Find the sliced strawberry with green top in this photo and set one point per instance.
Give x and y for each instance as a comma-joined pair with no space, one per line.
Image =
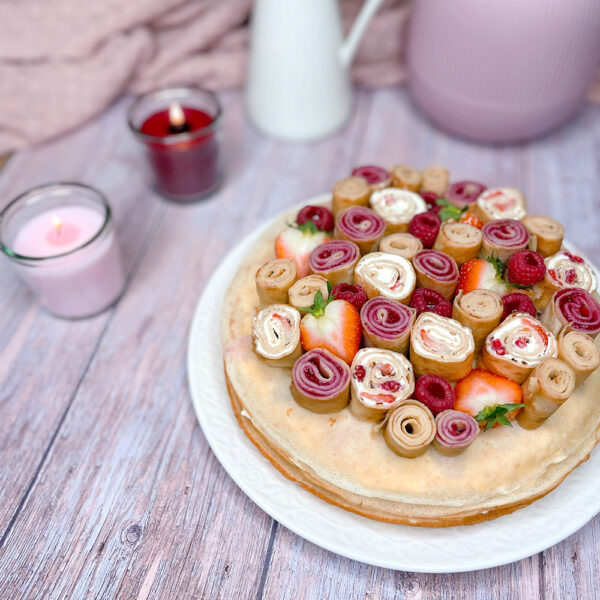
297,242
480,274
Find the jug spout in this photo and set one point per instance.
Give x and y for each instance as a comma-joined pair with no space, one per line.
350,46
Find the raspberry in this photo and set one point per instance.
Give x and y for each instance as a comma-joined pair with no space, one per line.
425,226
521,342
497,347
319,215
425,299
360,372
351,293
570,276
390,386
430,199
518,303
573,257
525,267
435,393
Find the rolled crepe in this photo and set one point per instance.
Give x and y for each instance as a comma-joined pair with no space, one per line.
387,324
435,179
352,191
274,279
500,203
572,309
302,293
464,193
455,431
335,260
578,351
406,178
480,311
387,275
459,240
402,244
321,381
549,385
518,345
410,429
565,270
503,238
437,271
441,346
381,380
360,225
376,177
276,335
548,232
397,207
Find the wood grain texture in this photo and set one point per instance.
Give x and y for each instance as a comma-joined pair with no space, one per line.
107,486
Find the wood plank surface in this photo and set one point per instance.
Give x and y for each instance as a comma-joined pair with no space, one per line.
107,486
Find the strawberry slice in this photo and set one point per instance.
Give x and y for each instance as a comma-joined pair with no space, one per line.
471,219
333,325
492,399
480,274
297,242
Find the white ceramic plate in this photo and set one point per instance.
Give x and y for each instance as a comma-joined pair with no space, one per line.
503,540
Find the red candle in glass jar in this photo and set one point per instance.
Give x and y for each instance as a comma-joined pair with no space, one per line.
180,129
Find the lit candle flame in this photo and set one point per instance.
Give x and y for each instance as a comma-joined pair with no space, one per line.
57,223
176,116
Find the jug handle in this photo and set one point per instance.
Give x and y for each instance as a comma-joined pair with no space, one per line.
350,45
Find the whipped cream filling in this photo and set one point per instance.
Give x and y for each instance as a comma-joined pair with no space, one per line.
382,378
396,205
276,330
441,338
569,270
502,203
391,274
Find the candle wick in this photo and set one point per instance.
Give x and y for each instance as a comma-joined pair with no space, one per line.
177,121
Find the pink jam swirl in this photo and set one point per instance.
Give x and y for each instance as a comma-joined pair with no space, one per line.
506,233
437,265
320,374
578,308
463,193
332,255
360,223
385,318
455,429
372,174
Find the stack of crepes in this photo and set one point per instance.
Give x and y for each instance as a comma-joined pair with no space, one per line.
416,351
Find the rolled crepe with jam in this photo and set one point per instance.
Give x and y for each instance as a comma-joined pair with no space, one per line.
376,177
565,270
302,293
548,233
335,260
381,380
435,179
518,345
500,203
459,240
274,279
441,346
352,191
480,311
406,178
549,385
436,271
572,309
276,335
321,381
579,351
360,225
387,275
464,193
410,429
402,244
387,324
455,432
501,239
397,207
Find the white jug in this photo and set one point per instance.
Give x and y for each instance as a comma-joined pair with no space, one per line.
298,85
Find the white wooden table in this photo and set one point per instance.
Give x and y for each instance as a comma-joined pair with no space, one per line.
107,486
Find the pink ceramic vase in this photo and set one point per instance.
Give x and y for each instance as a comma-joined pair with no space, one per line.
502,71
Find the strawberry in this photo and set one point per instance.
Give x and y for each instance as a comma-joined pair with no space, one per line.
297,242
480,274
333,325
471,219
492,399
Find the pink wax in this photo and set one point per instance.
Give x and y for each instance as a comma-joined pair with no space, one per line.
74,279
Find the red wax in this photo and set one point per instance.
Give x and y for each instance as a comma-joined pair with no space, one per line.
188,168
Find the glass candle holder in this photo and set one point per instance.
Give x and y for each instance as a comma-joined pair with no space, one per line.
180,129
61,241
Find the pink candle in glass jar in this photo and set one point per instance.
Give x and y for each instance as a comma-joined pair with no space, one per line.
61,240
